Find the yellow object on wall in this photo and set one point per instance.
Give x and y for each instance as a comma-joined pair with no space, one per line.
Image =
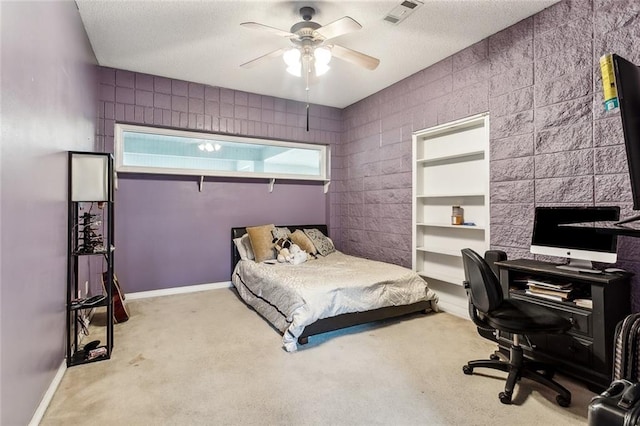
608,82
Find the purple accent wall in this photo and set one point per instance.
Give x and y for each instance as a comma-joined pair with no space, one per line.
551,143
167,233
48,86
170,235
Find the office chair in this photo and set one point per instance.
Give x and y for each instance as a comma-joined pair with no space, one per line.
489,310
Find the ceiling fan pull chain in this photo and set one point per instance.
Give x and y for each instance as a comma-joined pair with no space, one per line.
307,89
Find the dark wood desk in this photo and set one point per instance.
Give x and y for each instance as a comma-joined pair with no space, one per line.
586,351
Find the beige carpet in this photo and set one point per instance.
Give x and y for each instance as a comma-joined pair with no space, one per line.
207,359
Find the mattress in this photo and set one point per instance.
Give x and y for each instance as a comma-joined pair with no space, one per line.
293,296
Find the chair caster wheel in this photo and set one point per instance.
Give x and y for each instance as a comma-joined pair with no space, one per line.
562,401
504,398
467,370
494,357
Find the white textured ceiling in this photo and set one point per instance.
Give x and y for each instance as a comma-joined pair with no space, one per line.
202,41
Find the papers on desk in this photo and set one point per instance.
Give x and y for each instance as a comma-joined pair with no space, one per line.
554,291
560,292
548,285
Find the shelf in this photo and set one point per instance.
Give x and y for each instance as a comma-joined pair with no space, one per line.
90,233
76,253
448,225
453,279
438,250
521,294
463,156
104,302
450,165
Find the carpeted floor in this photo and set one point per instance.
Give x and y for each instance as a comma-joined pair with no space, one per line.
207,359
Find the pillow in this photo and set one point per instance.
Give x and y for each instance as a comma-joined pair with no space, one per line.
301,239
243,244
320,241
281,233
261,242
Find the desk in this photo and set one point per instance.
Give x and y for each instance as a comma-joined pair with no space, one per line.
586,351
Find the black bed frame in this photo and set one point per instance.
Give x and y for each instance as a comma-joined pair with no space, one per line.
343,320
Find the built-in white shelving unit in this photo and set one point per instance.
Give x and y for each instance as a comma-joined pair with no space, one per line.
450,168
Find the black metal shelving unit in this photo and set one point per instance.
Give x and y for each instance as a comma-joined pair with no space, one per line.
90,236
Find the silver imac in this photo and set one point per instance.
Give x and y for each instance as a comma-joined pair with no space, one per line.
579,245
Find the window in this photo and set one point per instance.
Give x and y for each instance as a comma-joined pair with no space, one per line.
141,149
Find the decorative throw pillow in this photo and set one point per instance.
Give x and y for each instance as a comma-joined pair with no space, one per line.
246,242
261,242
301,239
281,232
320,241
243,244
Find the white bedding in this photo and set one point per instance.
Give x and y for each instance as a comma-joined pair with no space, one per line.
294,296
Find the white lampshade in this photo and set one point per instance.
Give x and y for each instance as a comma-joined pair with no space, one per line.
292,59
89,177
322,55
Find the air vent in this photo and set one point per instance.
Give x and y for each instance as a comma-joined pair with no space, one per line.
400,12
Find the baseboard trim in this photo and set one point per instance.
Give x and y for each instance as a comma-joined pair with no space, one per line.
177,290
48,395
453,309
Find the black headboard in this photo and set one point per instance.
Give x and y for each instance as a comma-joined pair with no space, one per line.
239,232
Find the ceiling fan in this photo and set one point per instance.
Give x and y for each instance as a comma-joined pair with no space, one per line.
312,48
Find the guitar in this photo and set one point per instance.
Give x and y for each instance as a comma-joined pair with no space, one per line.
120,313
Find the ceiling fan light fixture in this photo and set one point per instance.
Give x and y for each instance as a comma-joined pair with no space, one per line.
292,59
322,55
321,59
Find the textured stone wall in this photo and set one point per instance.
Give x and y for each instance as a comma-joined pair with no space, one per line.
551,143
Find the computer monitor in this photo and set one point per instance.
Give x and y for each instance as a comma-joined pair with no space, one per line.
581,245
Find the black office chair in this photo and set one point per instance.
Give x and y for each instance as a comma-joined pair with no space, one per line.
489,310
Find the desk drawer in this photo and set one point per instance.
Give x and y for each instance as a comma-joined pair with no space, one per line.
581,322
570,348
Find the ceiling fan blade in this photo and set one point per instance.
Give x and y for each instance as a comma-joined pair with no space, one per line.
263,58
272,30
354,57
337,28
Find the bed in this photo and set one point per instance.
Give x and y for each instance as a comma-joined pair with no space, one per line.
330,292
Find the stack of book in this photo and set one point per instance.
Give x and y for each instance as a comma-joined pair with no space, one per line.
560,292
